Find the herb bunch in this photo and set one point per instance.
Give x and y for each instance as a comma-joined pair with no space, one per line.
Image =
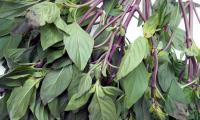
70,59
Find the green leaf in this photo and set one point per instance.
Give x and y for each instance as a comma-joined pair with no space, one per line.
77,102
53,55
12,9
165,76
141,110
19,99
14,54
8,42
150,26
176,109
198,57
16,76
42,13
50,35
177,93
73,87
102,106
3,108
134,85
60,24
54,83
85,84
40,112
113,92
193,50
79,45
175,18
7,26
108,5
136,52
54,108
178,39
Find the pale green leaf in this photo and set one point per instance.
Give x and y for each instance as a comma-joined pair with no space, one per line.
79,45
150,26
60,24
50,35
55,82
19,99
136,52
134,85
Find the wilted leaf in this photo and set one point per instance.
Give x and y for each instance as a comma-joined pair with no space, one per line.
42,13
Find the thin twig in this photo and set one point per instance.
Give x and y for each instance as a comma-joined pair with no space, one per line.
104,42
79,6
195,11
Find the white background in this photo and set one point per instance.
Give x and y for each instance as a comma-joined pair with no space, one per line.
133,31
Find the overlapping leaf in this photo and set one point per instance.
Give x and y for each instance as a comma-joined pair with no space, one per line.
79,45
136,52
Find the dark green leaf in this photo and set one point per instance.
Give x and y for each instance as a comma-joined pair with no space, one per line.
7,26
19,99
40,112
177,93
77,102
50,35
53,55
79,45
165,76
108,5
141,110
54,83
175,18
3,108
135,84
178,39
54,108
85,84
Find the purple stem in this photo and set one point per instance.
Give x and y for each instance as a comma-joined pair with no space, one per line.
187,26
106,26
89,11
103,43
89,27
155,72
